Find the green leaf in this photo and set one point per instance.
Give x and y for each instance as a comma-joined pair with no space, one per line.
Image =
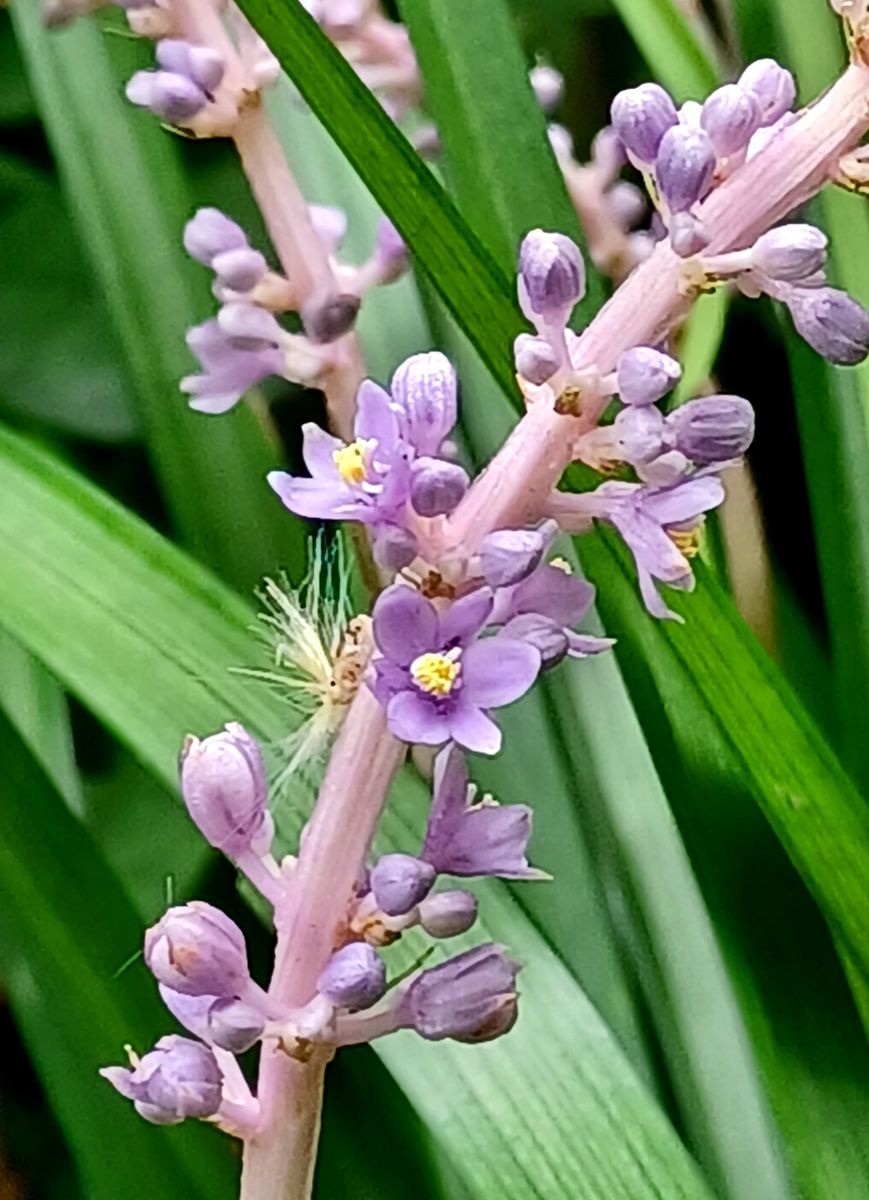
132,220
670,34
700,343
66,926
145,638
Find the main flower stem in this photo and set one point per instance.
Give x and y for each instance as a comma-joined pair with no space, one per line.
279,1159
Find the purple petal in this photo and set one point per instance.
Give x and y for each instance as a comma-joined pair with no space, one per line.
405,625
317,499
318,449
498,671
473,729
685,501
653,600
414,719
449,799
553,593
465,618
650,546
493,841
374,416
581,645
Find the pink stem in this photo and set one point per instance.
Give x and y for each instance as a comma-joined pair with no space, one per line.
278,1160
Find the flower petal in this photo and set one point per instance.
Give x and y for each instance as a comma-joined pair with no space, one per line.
405,625
685,501
416,720
465,618
473,729
498,670
449,799
316,498
553,593
375,418
318,450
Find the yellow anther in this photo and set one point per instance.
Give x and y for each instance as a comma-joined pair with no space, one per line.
561,564
351,460
436,673
686,541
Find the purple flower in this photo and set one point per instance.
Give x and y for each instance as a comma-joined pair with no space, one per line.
203,65
424,398
179,1078
551,276
471,997
474,839
229,369
535,359
832,322
435,680
222,1021
367,480
223,780
790,252
354,977
209,233
641,116
172,97
196,949
712,429
542,609
652,521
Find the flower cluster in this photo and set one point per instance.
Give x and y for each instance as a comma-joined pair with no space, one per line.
198,956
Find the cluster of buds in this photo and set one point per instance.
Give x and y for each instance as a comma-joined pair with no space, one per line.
245,343
198,955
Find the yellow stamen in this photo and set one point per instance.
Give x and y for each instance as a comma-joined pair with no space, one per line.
561,564
436,673
351,460
686,541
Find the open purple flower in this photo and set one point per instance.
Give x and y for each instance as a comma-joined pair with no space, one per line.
466,839
229,369
435,680
542,609
367,480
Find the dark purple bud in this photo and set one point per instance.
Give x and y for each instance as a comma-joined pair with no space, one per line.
354,977
326,320
210,233
833,323
684,167
641,116
644,375
535,359
241,270
219,1020
712,429
199,63
471,997
399,882
436,486
179,1078
248,327
196,949
223,780
730,116
394,548
447,914
772,86
640,431
508,555
686,234
173,98
424,390
552,273
790,252
547,637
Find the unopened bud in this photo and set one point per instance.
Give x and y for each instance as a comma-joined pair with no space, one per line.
626,204
179,1078
196,949
173,98
447,914
509,555
330,225
210,233
221,1021
684,167
327,320
548,85
686,234
423,389
248,327
644,375
391,252
790,252
730,116
640,432
471,997
832,322
641,116
551,272
535,359
436,486
772,86
399,881
394,548
202,64
354,977
223,780
240,270
712,429
608,151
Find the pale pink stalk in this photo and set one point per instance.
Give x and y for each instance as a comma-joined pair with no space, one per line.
278,1160
655,298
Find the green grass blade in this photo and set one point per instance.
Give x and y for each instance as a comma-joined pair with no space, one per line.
127,187
667,36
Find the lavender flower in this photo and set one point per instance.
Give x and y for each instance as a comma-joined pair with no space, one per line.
354,977
535,358
223,779
832,322
203,65
471,998
435,680
196,949
712,429
551,276
790,253
222,1021
510,555
542,609
209,233
178,1079
424,399
641,116
229,369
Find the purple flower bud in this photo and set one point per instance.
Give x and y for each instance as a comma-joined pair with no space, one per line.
548,85
391,252
551,272
608,151
471,997
223,780
394,548
196,949
399,882
241,270
641,116
626,204
202,64
772,86
712,429
222,1021
686,235
547,637
354,977
833,323
790,252
424,390
330,225
210,233
436,486
326,320
535,359
248,327
173,98
179,1078
644,375
509,555
730,116
640,431
447,914
684,167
